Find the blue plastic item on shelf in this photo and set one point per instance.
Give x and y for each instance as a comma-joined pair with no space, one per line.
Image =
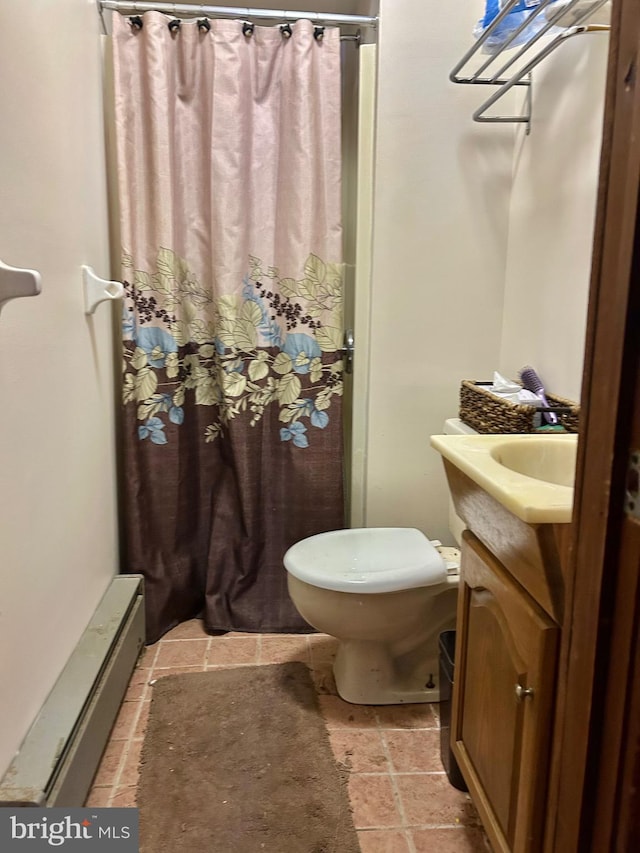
516,16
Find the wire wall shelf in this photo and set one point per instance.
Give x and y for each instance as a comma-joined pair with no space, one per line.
557,20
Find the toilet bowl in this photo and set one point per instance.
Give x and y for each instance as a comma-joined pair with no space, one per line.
386,595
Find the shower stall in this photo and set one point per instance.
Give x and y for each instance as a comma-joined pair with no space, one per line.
235,441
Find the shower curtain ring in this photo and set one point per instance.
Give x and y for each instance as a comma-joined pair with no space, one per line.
247,29
135,21
318,33
174,25
203,25
285,29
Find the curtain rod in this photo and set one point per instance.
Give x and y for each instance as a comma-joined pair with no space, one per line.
236,12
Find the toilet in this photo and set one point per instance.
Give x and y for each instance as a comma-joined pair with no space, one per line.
386,594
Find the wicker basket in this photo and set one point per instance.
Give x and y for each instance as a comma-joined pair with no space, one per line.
489,414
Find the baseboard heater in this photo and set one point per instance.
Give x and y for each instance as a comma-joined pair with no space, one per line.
61,752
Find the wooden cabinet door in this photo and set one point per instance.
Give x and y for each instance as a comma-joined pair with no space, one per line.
503,697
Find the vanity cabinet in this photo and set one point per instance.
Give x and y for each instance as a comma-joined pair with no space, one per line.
505,671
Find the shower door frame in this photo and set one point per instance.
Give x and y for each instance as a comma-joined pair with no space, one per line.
358,206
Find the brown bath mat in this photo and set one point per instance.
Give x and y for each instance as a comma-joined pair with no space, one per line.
239,761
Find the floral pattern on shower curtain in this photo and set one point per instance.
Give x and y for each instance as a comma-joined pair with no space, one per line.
229,180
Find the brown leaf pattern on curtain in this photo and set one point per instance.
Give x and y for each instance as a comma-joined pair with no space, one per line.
277,343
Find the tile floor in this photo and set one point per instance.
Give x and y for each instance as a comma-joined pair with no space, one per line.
402,801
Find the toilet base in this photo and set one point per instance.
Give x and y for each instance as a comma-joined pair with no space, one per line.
366,673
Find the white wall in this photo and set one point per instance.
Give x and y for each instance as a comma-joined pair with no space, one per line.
482,243
440,235
58,544
552,216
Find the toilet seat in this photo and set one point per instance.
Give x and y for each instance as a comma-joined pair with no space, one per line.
367,560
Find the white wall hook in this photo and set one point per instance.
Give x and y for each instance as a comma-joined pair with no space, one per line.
15,282
97,290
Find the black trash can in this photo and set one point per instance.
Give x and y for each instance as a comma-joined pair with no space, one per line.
447,645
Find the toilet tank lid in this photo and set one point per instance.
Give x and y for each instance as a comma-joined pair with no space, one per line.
367,560
454,426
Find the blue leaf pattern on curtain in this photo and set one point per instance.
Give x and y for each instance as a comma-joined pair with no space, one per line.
233,353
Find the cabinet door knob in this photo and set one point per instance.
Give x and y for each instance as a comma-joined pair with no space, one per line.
523,692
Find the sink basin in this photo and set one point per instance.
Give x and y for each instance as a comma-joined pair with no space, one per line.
550,461
531,475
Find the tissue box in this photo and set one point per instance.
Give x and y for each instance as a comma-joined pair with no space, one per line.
489,414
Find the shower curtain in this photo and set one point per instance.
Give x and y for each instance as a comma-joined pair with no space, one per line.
229,169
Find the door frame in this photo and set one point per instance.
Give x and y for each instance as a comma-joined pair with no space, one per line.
596,747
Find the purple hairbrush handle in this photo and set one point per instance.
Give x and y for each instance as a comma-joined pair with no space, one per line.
533,383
